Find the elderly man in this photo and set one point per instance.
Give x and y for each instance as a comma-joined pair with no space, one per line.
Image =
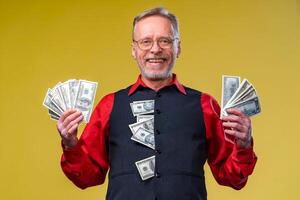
187,129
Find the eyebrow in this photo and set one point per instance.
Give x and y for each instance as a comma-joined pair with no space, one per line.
163,37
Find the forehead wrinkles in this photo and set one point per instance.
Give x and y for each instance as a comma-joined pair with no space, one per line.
147,27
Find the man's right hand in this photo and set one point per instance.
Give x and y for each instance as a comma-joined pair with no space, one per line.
67,126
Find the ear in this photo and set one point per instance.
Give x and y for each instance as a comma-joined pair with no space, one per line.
133,50
178,49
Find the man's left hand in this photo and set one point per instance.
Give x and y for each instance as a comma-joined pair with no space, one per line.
239,125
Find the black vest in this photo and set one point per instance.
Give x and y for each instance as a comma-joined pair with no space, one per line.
180,143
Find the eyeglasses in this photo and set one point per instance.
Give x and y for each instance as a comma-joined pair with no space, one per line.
147,43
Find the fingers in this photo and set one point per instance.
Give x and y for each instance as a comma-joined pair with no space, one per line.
69,128
66,114
73,128
239,130
234,111
233,118
71,117
237,116
77,120
243,136
67,120
63,117
238,125
235,126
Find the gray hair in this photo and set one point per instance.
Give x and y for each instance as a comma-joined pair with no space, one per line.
161,12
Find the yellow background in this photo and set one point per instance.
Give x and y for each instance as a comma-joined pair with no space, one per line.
44,42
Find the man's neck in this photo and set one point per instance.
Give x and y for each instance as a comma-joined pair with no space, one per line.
157,84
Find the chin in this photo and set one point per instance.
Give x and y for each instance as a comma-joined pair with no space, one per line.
156,75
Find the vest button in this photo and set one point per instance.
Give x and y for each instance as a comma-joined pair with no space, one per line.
157,132
158,95
158,111
158,175
158,151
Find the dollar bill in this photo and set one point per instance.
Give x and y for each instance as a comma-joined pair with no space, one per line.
146,167
73,89
247,95
54,117
85,98
229,85
51,113
142,107
63,96
141,118
144,137
64,91
57,90
56,98
249,107
147,125
241,89
244,98
50,104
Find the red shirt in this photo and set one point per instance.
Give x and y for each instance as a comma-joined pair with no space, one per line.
87,163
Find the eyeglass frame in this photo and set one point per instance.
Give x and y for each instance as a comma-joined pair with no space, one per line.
157,42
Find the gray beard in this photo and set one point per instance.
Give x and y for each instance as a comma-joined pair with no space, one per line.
155,77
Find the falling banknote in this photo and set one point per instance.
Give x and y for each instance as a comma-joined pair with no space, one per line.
146,167
142,107
71,94
144,137
143,133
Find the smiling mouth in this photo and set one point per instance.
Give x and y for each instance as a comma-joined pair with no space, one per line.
156,60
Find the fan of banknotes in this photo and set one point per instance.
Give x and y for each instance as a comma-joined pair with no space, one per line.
77,94
241,96
143,133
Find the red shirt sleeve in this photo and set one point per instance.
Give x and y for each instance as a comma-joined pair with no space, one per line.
229,164
87,163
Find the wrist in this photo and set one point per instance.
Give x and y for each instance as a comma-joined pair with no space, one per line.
244,143
69,144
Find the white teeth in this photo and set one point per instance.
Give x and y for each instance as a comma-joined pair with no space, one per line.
155,60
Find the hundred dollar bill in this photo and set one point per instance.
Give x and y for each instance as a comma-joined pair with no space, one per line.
64,91
73,89
57,91
144,137
247,95
242,88
147,124
51,105
56,98
229,85
142,107
249,107
51,113
141,118
85,98
146,167
54,117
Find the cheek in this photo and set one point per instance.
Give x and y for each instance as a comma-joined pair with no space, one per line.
141,57
171,56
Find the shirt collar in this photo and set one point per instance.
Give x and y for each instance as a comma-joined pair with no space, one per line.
141,83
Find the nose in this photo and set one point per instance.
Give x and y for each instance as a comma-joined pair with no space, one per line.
155,48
